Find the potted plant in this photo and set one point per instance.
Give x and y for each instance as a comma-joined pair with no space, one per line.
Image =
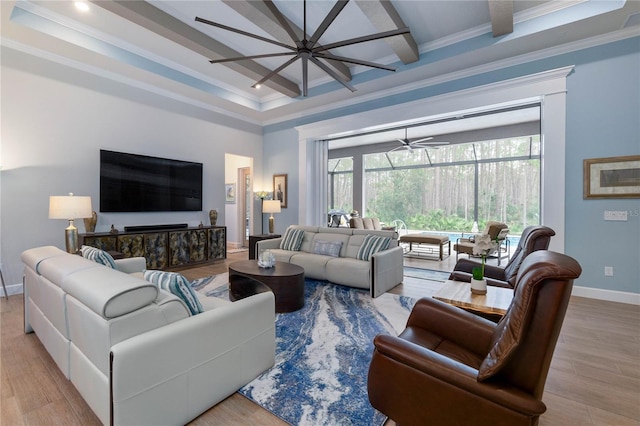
483,246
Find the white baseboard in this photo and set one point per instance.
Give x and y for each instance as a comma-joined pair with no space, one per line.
609,295
12,289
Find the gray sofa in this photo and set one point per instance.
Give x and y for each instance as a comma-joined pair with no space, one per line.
134,352
379,274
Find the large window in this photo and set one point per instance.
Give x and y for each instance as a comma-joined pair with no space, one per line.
450,187
340,184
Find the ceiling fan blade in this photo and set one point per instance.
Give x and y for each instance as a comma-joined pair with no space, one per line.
332,73
362,39
354,61
399,148
241,58
429,144
276,71
283,21
328,20
422,140
403,141
244,33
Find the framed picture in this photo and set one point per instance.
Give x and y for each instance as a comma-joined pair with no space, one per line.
230,193
613,177
280,189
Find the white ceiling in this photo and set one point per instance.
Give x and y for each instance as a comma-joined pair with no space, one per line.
158,46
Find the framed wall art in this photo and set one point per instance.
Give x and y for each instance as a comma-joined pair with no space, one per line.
230,193
280,189
613,177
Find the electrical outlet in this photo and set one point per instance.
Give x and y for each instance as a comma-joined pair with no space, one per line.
608,271
620,215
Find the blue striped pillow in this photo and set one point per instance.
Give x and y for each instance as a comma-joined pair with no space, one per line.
175,284
98,256
292,239
371,245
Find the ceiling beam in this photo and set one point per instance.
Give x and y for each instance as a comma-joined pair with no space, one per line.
501,12
260,14
155,20
385,17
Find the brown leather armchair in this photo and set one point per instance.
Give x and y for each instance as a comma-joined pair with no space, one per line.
451,367
533,238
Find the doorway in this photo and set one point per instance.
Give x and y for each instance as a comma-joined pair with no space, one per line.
239,210
244,208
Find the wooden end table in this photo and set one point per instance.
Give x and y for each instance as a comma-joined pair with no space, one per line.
458,293
284,279
253,241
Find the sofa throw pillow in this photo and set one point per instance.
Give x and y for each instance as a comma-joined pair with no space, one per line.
327,248
98,256
371,245
177,285
292,239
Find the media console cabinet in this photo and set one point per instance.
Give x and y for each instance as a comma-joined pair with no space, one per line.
165,248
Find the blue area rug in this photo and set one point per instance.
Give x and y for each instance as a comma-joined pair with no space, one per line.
426,274
323,353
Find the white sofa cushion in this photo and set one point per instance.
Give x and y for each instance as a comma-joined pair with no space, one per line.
107,292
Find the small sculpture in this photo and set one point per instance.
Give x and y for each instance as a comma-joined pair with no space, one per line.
90,223
213,216
113,230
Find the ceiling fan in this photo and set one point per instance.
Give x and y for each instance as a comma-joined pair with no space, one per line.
417,144
307,48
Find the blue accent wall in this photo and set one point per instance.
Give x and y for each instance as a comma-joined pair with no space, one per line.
603,120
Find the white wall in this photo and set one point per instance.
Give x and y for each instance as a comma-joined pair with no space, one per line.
52,132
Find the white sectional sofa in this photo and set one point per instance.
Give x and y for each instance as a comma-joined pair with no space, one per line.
134,352
383,271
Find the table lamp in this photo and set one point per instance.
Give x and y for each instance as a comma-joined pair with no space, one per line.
70,207
261,195
271,206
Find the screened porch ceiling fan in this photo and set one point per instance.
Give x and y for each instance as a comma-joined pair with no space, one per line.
307,48
417,144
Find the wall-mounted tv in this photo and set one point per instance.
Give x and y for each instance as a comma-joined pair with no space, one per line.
139,183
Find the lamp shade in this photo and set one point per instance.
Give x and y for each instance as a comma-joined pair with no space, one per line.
69,207
271,206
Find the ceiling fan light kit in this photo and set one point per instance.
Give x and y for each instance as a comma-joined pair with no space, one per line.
307,48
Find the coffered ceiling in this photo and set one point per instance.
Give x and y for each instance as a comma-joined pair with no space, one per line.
160,47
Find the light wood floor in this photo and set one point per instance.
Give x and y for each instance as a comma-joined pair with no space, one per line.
594,377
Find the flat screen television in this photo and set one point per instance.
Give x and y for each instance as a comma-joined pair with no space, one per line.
139,183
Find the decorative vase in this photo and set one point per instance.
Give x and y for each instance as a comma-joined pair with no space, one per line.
478,286
213,216
266,259
90,223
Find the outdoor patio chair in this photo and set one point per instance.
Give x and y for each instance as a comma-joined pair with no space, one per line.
465,244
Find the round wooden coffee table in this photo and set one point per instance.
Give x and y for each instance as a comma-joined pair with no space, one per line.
284,279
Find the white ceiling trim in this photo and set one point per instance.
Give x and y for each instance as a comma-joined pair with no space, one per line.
100,72
512,92
493,66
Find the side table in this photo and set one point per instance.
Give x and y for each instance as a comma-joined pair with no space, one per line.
253,240
458,293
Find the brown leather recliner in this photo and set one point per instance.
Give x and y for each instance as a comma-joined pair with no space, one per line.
533,238
451,367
